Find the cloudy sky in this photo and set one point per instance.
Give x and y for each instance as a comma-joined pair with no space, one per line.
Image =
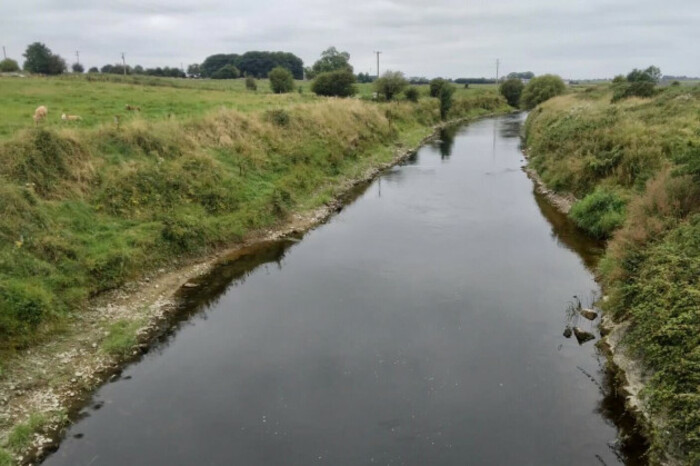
573,38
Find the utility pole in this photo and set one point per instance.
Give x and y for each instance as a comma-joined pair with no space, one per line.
124,63
77,57
377,52
4,55
498,62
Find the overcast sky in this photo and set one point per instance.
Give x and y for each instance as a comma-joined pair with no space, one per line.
576,39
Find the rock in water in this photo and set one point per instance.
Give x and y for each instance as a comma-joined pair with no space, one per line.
582,336
567,332
588,314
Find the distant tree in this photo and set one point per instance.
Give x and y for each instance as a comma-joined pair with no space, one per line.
364,78
138,69
116,69
651,74
418,80
540,89
411,94
250,83
339,83
77,68
446,92
521,75
281,80
619,79
257,64
8,65
331,60
435,86
39,59
193,71
511,89
226,72
390,84
93,69
214,63
638,83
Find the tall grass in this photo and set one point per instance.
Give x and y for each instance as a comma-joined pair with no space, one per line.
636,166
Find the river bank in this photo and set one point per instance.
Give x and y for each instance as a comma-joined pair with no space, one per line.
44,387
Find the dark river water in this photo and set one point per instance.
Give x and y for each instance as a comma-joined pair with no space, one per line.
421,325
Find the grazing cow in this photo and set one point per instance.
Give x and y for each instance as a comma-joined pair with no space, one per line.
40,113
65,117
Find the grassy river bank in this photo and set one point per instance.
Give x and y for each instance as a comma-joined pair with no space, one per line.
634,167
87,210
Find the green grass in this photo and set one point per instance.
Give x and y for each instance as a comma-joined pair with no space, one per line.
20,437
636,166
87,209
5,458
121,338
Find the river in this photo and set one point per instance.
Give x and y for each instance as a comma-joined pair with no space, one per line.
421,325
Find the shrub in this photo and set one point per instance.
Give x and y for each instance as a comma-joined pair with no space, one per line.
600,213
411,94
226,72
540,89
446,93
435,86
281,80
77,68
250,83
339,83
278,116
93,69
390,84
511,89
8,65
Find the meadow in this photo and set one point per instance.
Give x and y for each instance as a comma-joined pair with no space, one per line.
635,166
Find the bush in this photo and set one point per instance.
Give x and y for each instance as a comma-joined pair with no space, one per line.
8,65
77,68
339,83
93,69
226,72
281,80
446,92
411,94
512,89
600,213
278,116
435,86
250,83
390,84
540,89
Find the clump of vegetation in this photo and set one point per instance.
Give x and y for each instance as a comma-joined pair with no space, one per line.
5,458
281,80
20,437
638,83
647,153
331,60
599,213
122,338
512,89
226,72
390,84
436,86
446,93
411,93
250,83
540,89
278,116
77,68
340,83
8,65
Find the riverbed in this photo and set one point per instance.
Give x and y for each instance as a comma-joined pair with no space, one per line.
423,324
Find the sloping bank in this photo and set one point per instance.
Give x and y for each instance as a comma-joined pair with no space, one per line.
140,209
634,167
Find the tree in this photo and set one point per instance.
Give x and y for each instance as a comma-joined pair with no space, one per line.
281,80
521,75
511,89
331,60
77,68
39,59
339,83
8,65
435,86
93,69
411,94
138,69
390,84
651,75
193,71
639,83
226,72
257,64
214,63
446,92
364,78
540,89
